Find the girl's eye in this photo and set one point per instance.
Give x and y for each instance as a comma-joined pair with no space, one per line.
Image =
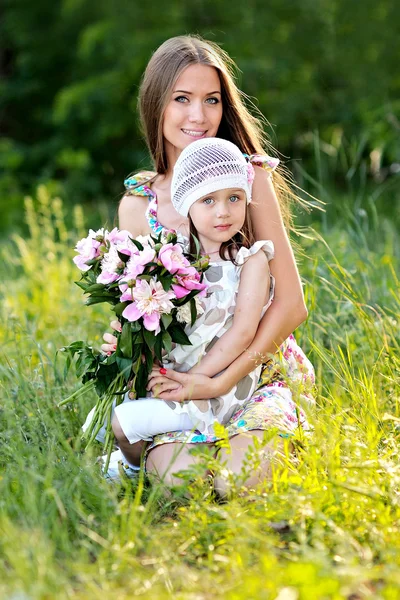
234,199
181,99
212,101
208,201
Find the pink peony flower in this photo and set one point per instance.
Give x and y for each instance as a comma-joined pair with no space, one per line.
187,282
111,267
137,262
150,301
118,235
171,257
89,248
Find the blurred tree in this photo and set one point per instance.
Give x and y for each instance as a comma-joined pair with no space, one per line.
70,71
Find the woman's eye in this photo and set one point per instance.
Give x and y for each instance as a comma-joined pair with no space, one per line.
212,100
181,99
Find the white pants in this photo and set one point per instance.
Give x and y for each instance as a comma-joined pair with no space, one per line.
144,418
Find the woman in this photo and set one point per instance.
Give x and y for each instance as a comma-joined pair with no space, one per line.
187,93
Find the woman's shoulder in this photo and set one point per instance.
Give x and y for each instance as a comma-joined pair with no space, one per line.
139,184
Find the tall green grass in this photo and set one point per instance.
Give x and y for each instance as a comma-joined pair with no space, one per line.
326,526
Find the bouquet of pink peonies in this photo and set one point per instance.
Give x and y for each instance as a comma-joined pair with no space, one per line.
151,283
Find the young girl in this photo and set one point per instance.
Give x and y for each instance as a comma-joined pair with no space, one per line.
212,184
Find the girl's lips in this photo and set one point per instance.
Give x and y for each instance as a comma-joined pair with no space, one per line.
222,227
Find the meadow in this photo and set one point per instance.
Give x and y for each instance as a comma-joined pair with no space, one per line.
327,524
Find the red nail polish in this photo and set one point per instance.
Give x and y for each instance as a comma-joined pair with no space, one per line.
163,371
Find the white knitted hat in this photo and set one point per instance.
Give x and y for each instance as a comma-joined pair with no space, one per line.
206,166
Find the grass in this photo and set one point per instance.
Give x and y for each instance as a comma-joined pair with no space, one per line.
325,527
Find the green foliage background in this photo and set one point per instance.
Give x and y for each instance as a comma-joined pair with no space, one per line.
325,526
71,69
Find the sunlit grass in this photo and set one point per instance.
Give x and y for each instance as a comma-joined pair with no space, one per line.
325,526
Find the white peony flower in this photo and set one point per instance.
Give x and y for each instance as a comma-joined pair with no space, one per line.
183,313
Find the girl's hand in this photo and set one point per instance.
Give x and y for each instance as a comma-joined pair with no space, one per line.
178,387
111,341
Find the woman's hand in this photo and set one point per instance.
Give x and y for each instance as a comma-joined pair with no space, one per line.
167,384
111,341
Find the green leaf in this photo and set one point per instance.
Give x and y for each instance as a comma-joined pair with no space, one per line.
138,338
98,299
166,281
197,244
149,360
193,311
137,244
137,351
149,338
123,257
95,287
166,320
120,307
125,366
135,326
125,340
167,341
179,336
158,347
141,380
146,277
93,261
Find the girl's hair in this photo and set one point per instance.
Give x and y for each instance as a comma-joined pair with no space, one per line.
238,125
245,237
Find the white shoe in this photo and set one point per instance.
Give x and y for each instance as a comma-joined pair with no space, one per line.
118,467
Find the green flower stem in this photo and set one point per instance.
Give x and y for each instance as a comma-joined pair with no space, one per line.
102,416
89,385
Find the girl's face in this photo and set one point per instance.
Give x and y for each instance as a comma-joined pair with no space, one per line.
194,110
218,217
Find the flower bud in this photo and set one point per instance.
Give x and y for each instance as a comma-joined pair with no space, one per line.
202,263
171,237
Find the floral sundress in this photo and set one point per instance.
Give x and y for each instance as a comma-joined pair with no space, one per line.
285,387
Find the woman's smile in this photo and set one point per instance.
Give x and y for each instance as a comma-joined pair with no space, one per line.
195,133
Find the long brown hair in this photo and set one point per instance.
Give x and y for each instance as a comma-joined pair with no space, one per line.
238,125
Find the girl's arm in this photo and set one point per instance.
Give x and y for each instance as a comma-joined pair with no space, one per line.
285,314
252,296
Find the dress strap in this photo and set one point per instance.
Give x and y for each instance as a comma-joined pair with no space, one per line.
136,185
268,163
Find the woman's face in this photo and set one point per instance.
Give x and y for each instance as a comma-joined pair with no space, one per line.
194,110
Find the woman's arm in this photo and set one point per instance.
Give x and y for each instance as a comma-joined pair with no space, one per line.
288,310
251,297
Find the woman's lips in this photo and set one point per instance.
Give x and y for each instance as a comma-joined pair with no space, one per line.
197,134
